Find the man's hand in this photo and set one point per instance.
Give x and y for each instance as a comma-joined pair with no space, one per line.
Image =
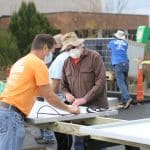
70,97
47,92
74,109
79,101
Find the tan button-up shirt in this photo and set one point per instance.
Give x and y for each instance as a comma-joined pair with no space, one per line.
86,79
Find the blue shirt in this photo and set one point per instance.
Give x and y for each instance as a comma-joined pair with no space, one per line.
118,51
55,70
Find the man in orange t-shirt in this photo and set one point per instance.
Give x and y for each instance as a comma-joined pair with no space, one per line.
28,78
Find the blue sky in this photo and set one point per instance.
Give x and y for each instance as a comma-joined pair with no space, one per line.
135,6
139,5
132,4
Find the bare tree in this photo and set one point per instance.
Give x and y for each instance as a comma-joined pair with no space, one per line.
92,26
115,6
89,5
92,6
95,6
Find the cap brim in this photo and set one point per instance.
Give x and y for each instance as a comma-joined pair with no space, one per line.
76,43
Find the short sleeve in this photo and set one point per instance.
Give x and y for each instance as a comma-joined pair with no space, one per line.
55,70
41,74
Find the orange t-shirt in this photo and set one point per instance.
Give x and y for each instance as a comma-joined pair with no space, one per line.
26,75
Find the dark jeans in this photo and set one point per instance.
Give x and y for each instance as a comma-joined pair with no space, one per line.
80,143
64,141
131,148
84,143
121,72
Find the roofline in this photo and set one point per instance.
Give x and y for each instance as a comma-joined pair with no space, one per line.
123,14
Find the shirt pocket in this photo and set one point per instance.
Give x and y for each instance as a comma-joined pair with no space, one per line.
87,74
3,124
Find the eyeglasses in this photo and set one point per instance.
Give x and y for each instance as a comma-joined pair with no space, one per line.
72,47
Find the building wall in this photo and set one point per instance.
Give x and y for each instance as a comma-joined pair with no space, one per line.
4,22
73,21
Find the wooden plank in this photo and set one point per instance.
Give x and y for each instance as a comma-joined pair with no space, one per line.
96,121
72,127
62,127
67,128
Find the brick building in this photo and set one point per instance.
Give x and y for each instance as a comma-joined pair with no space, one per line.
91,24
103,24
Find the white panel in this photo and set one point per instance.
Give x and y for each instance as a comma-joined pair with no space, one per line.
137,131
135,50
46,111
